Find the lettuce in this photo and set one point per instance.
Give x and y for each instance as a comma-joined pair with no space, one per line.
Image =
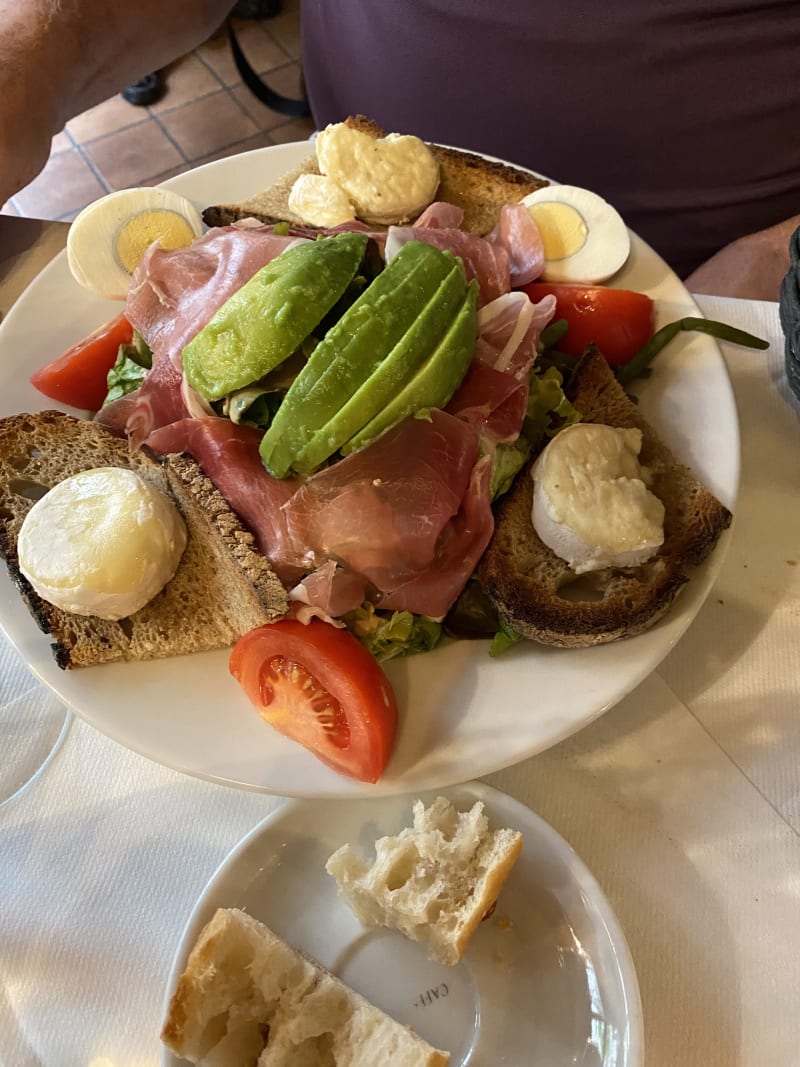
400,634
133,361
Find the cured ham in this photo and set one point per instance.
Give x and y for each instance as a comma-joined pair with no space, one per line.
519,235
328,592
228,453
509,330
460,546
512,254
406,513
493,396
485,261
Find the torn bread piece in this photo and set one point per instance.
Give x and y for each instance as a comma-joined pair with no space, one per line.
434,881
478,185
222,587
247,997
538,595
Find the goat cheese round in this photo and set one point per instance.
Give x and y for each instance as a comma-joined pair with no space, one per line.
591,503
319,201
387,179
103,542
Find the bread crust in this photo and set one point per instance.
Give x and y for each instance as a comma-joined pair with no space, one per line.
478,185
222,588
539,596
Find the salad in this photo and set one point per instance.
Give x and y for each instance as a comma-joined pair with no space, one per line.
253,410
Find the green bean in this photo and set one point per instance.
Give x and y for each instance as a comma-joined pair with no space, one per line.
637,366
552,334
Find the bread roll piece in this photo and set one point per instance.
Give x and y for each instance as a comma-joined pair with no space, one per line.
247,997
434,881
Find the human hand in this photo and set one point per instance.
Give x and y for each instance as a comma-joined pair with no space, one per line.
752,267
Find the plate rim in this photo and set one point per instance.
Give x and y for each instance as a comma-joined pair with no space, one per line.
584,879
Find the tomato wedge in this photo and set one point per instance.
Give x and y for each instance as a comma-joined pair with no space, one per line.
618,321
319,686
78,378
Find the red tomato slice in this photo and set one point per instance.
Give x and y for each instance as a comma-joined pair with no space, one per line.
318,685
78,378
618,321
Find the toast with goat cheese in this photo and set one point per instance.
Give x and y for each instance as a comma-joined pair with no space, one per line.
222,588
478,185
540,596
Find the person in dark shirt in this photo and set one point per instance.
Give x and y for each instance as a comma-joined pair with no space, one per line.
682,113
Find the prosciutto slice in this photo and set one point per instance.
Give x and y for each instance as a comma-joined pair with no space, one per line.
493,396
508,332
511,255
519,235
406,513
228,453
484,260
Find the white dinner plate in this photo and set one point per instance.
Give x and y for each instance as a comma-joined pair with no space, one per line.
547,980
463,715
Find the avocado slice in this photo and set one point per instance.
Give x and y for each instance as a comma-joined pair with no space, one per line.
436,380
353,349
264,321
390,377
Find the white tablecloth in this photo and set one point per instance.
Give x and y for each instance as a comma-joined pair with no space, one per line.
683,800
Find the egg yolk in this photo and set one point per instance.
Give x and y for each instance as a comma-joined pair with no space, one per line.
169,228
562,229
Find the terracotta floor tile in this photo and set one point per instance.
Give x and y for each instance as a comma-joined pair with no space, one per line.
293,130
186,80
208,125
112,115
66,184
131,156
260,140
61,142
156,179
286,80
261,51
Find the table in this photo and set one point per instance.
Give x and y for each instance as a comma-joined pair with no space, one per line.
684,800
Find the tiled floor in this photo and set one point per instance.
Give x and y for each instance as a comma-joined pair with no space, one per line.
205,114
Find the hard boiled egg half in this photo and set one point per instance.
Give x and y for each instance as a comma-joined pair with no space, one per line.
108,239
584,237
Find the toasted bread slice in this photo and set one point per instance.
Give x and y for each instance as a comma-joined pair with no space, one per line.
223,586
478,185
539,596
246,996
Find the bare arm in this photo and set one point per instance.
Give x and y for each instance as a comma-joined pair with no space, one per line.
59,57
751,267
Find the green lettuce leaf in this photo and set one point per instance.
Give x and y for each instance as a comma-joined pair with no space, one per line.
400,634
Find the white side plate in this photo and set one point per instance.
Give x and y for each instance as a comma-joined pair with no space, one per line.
547,980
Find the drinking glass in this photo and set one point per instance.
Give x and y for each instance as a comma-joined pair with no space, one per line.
33,726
